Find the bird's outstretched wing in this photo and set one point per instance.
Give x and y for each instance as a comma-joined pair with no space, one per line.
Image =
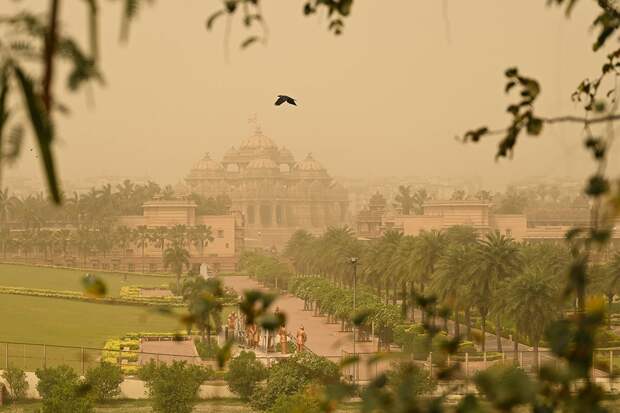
281,99
291,101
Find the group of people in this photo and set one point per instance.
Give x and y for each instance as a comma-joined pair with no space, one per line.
253,334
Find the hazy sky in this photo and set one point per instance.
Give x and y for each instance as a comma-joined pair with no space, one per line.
385,98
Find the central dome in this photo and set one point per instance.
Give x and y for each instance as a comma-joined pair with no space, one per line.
258,141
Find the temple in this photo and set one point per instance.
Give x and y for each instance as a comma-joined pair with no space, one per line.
275,194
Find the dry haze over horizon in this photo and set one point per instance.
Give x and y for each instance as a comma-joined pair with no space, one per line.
386,98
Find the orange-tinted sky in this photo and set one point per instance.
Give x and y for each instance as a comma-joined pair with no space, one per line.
385,98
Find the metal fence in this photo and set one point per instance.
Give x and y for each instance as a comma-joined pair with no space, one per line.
370,365
31,357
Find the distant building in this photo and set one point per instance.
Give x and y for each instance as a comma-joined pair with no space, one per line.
221,254
534,225
369,220
276,194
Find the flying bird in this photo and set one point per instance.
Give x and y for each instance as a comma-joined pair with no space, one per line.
283,98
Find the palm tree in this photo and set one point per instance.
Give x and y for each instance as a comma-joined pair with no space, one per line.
200,236
405,201
159,235
498,258
429,248
176,258
420,197
605,279
204,304
142,235
124,238
452,278
533,302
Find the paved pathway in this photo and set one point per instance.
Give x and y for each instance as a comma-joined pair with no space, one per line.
327,340
323,339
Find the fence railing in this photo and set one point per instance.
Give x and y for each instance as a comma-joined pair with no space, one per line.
29,356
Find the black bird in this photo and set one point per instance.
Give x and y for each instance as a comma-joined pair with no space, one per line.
283,98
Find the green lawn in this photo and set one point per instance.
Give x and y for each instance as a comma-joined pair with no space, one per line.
69,279
74,323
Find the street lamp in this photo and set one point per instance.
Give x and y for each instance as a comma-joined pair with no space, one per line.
354,261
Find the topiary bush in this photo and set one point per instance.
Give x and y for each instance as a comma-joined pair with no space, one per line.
291,375
104,381
17,384
244,373
62,391
173,388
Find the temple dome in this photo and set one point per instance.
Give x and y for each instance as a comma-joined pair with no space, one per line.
257,141
286,156
309,164
262,163
206,163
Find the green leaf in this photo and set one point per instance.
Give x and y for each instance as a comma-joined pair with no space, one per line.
94,286
509,86
214,17
597,185
249,41
511,72
43,129
534,126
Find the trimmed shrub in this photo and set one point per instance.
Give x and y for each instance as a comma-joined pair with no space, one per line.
17,384
244,372
410,379
173,388
104,381
305,401
291,375
62,391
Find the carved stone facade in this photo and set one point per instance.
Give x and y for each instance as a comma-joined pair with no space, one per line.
276,194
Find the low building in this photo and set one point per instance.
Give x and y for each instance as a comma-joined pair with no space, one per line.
220,254
530,226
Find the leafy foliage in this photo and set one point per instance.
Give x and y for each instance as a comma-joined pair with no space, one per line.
104,381
16,380
291,375
174,387
62,390
244,373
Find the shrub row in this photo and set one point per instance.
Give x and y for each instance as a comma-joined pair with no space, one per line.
338,302
76,295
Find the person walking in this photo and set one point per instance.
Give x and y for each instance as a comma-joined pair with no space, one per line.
283,340
302,337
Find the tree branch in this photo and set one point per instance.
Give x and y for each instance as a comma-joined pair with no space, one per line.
566,119
48,55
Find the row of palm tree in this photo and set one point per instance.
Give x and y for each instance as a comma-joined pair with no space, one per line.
96,208
84,242
493,276
513,201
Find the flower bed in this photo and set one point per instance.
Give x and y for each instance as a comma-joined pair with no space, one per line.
125,351
76,295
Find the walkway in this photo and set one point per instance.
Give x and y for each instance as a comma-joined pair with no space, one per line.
323,339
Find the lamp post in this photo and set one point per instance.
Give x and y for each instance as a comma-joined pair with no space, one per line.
354,261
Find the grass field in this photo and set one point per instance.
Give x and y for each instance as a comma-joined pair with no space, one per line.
74,323
69,279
